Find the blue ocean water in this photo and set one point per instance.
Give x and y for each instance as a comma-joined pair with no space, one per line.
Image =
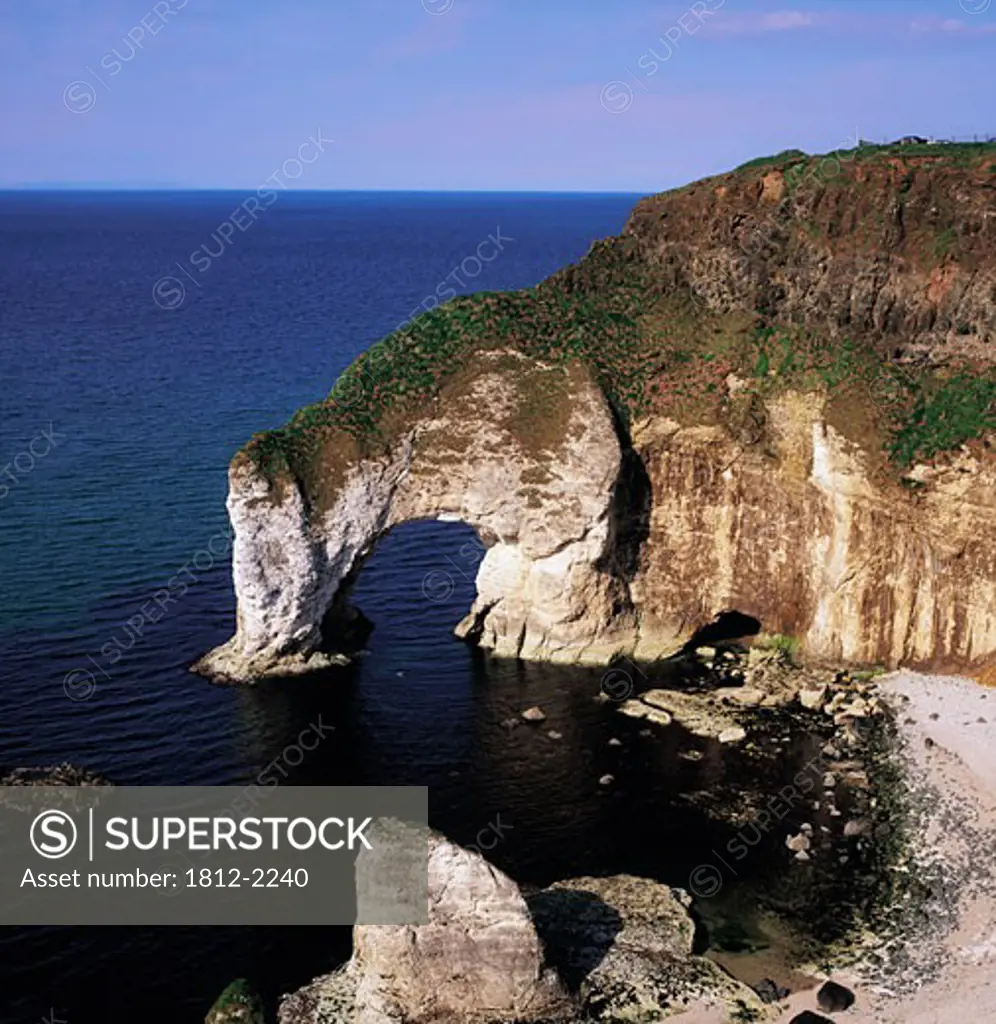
144,406
129,413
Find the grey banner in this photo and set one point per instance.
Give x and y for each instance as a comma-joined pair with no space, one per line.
212,855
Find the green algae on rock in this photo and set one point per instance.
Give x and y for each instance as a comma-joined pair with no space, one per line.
238,1004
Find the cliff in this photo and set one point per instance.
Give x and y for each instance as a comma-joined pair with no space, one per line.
773,393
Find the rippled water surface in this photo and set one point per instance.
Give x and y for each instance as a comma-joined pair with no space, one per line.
144,407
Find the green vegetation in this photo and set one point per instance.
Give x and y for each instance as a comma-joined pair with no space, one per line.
788,646
652,347
962,154
589,312
949,414
238,1003
785,157
945,243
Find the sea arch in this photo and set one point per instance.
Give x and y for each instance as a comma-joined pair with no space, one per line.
524,452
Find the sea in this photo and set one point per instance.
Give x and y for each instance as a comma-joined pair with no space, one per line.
141,344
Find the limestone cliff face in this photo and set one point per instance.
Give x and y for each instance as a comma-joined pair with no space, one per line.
801,533
805,536
525,453
690,420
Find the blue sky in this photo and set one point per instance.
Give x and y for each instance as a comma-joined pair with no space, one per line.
472,94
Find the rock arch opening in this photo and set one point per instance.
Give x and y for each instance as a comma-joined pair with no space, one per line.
524,453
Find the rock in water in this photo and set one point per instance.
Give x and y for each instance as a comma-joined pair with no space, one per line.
64,774
834,998
477,958
543,497
812,699
238,1004
534,715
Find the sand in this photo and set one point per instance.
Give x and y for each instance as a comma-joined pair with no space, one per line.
947,973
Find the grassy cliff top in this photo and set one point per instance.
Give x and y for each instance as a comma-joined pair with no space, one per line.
662,320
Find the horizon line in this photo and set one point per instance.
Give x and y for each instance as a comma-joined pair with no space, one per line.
305,191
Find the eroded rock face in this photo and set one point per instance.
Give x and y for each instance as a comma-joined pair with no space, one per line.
583,950
525,453
800,531
802,534
478,958
792,244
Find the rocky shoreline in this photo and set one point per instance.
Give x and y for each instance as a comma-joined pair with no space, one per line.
912,821
628,949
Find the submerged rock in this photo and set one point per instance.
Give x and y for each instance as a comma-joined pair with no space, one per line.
64,774
699,713
238,1004
639,709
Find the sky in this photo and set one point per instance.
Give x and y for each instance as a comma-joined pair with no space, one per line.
588,95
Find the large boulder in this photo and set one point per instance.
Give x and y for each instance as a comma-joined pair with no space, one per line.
624,945
478,958
583,950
